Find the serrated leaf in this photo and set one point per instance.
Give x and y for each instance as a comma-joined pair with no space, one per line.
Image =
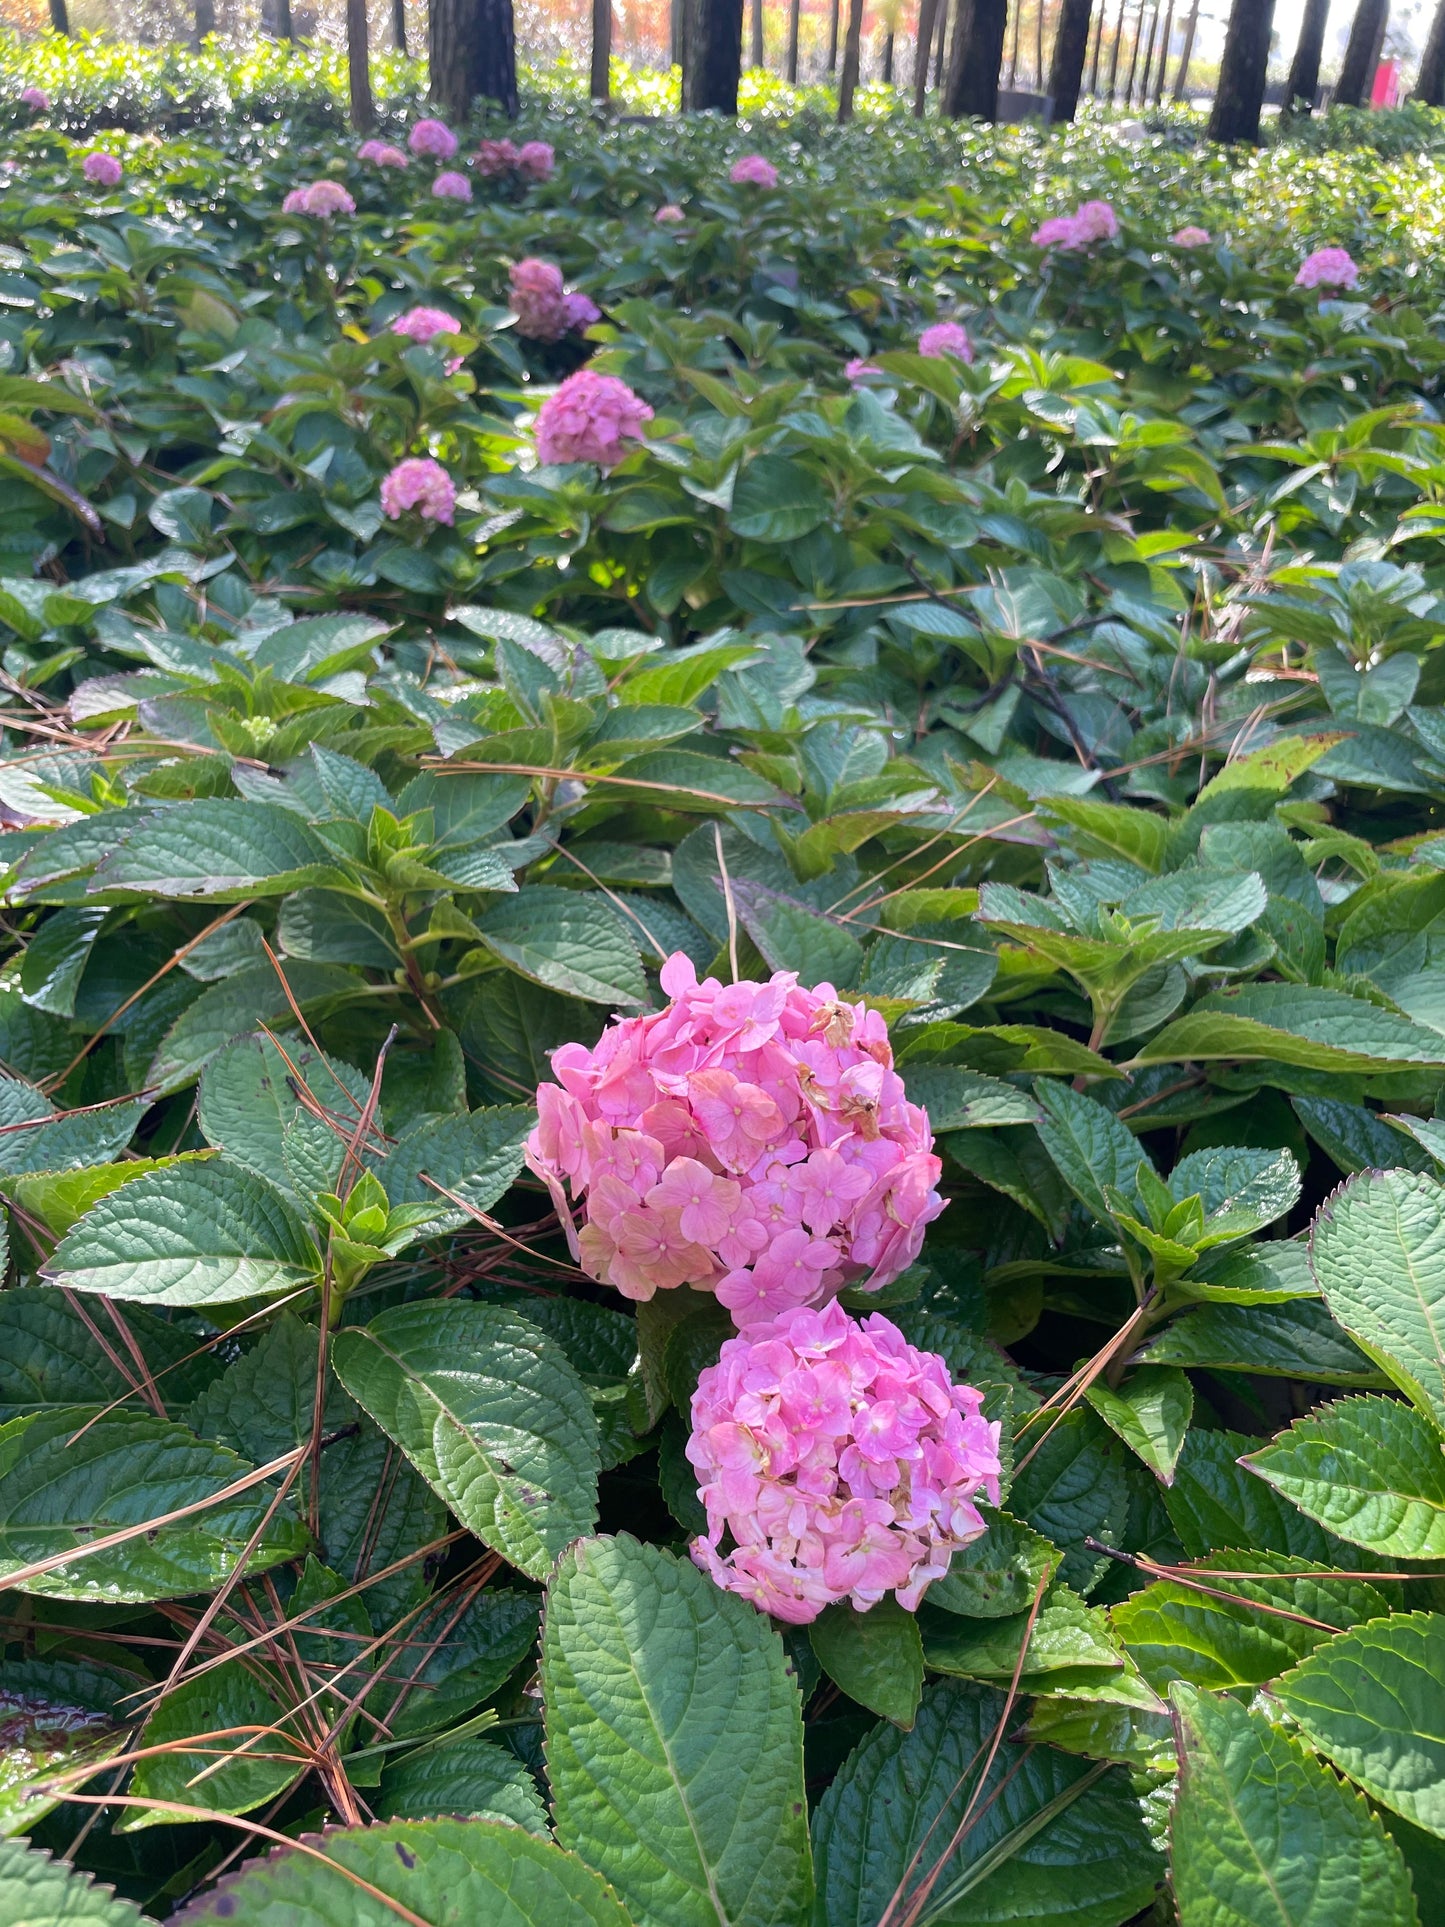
217,848
1150,1412
572,941
1215,1503
474,1155
1369,1469
1065,1635
1072,1487
459,1870
233,1772
651,1676
36,1891
48,1728
1373,1702
48,1355
234,1006
491,1415
472,1777
463,1661
1046,1838
1295,1024
875,1657
997,1574
958,1100
1296,1339
1263,1835
189,1234
1089,1145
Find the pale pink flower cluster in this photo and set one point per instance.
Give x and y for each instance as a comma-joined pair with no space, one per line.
536,160
858,369
1192,237
434,139
451,187
423,324
753,171
669,214
102,170
381,154
544,309
421,484
945,338
590,418
320,198
750,1139
842,1462
495,158
1091,221
1328,268
36,99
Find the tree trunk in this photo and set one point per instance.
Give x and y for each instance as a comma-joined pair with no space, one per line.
1134,55
976,59
1149,46
714,56
1240,93
795,11
205,19
59,16
1304,70
1164,53
1066,70
1013,52
1114,47
888,58
757,46
471,51
398,24
1181,79
1357,73
927,17
1098,47
358,67
601,75
1430,81
939,44
833,38
852,56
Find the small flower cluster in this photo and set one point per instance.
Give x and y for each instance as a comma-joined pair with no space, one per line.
424,324
381,154
36,99
945,338
319,198
1328,268
540,301
669,214
534,160
102,170
451,187
1091,221
421,484
590,418
752,1140
753,171
1192,237
842,1463
432,139
858,369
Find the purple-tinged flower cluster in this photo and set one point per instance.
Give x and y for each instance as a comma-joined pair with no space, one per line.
544,309
753,1140
1191,237
1328,268
1092,221
421,484
451,187
590,418
945,338
424,324
381,154
36,99
536,160
102,170
753,171
840,1461
433,139
319,198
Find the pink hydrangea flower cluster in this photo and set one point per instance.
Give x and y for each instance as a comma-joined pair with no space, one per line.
1091,221
753,171
750,1139
102,170
381,154
841,1461
544,309
669,214
1328,268
319,198
424,324
536,159
858,369
421,484
432,138
451,187
495,158
590,418
36,99
1191,237
945,338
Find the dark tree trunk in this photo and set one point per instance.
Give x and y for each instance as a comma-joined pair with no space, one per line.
1134,55
1240,94
927,18
1430,81
714,56
939,44
1181,79
1358,71
976,58
358,67
1304,70
601,75
1114,47
471,51
888,58
1039,47
1013,52
1149,56
833,38
1066,70
1098,48
205,19
1164,53
398,24
59,16
795,12
852,56
757,46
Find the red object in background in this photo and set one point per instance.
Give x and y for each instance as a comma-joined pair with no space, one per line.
1386,90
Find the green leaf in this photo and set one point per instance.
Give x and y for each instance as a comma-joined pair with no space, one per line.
1295,1024
1378,1255
1150,1412
1089,1145
220,849
60,1199
463,1661
36,1137
1263,1835
232,1772
246,1100
1071,1485
474,1155
1066,1636
1046,1838
569,940
1238,1631
777,500
48,1355
47,1726
440,1870
190,1234
1297,1339
491,1415
958,1100
1373,1702
998,1574
876,1657
1370,1469
36,1891
1214,1504
674,1740
235,1005
472,1777
69,1477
